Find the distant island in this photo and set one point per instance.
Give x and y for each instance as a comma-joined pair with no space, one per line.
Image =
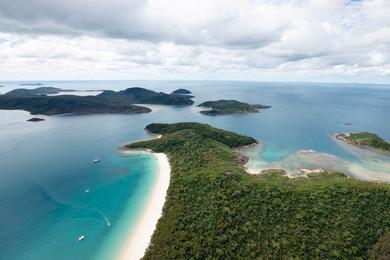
138,95
35,119
108,102
30,84
216,210
45,91
365,140
227,107
38,91
181,91
68,104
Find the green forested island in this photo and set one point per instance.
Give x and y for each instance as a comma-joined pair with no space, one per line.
365,140
215,210
108,102
226,107
138,95
68,104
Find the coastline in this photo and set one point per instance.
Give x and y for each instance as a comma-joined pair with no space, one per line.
139,239
369,167
342,137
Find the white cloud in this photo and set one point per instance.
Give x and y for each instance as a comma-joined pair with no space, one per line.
239,39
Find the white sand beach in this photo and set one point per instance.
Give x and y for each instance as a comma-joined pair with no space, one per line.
140,238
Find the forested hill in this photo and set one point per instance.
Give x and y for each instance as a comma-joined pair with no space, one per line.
365,140
67,104
108,102
215,210
227,107
138,95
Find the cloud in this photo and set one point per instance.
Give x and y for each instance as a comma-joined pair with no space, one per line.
229,38
219,22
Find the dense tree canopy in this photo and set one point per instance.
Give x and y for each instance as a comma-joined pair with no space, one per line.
369,140
226,107
215,210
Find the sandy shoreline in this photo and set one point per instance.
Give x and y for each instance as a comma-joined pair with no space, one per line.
370,165
138,242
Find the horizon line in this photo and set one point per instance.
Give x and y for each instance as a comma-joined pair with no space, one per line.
201,80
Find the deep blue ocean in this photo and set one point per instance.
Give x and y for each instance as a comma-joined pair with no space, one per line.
51,193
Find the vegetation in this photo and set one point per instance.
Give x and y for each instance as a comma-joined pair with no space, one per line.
68,104
381,250
36,91
108,101
366,139
145,96
226,107
205,131
215,210
181,91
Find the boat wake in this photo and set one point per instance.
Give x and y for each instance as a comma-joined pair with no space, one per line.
75,210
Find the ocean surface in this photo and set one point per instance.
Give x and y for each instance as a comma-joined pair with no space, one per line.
51,193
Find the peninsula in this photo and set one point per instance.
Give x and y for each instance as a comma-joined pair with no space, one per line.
365,140
68,104
108,102
227,107
214,209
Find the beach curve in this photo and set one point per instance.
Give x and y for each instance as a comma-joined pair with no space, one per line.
139,240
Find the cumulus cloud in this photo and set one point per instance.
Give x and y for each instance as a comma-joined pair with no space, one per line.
254,39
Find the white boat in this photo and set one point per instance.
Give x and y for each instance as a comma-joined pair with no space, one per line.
87,190
96,160
81,237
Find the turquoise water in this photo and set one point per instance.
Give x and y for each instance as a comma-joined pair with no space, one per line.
51,193
46,167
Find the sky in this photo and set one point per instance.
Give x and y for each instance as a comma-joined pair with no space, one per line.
277,40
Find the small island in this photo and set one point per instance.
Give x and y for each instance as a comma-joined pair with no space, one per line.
36,119
181,91
214,209
227,107
108,102
365,140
